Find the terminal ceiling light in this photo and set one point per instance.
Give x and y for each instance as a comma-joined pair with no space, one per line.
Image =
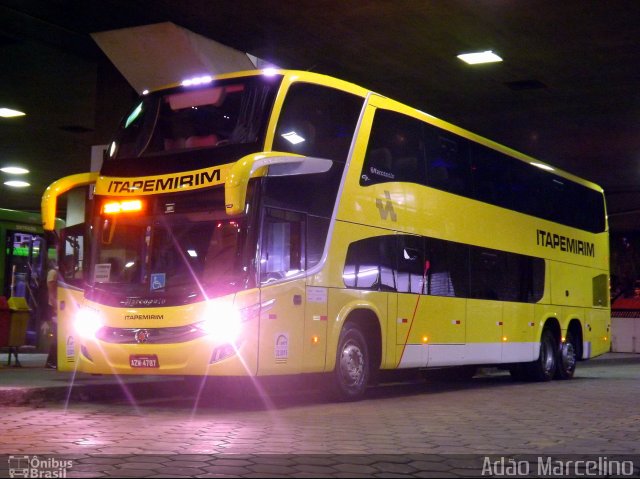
9,113
14,170
479,57
17,184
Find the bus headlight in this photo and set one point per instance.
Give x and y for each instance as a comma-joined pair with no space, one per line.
222,321
87,323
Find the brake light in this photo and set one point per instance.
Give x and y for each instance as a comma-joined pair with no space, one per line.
124,206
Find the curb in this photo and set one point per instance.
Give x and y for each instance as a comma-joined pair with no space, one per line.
20,396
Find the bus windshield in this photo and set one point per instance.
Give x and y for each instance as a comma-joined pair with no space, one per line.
178,248
227,112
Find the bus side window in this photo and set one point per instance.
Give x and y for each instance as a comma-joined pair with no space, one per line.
317,121
317,229
370,264
283,245
71,254
447,161
411,265
396,150
448,268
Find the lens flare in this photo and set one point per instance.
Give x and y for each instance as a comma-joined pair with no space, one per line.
221,321
87,323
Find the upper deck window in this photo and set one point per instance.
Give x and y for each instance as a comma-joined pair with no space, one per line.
317,121
228,112
405,149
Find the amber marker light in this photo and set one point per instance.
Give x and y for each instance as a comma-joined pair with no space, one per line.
315,339
425,339
504,338
125,206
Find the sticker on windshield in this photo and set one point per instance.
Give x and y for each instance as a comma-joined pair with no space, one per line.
158,281
102,273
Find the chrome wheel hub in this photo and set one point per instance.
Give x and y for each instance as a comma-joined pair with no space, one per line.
568,357
352,364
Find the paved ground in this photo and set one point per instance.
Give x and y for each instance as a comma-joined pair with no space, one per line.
156,429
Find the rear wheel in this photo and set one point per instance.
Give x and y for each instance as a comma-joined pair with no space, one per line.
544,368
352,371
567,358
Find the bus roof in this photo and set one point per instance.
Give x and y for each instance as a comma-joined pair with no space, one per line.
313,77
26,218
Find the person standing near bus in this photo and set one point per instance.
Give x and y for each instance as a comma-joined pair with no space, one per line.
52,295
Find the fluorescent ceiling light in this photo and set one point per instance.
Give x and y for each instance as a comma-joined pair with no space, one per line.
9,113
17,184
193,253
14,170
479,57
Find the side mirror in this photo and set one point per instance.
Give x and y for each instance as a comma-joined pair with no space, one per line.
58,188
266,164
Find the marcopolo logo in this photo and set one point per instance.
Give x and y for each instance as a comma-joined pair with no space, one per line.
34,466
386,209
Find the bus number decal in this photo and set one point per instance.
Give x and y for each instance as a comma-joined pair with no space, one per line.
316,295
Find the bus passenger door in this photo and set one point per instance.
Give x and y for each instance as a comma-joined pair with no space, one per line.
282,293
315,330
412,318
316,307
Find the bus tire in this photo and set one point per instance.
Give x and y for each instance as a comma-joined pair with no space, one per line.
544,368
353,370
567,358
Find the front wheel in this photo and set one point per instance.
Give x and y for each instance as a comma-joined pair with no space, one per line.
352,371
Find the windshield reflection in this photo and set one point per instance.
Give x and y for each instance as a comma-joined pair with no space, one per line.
186,248
228,112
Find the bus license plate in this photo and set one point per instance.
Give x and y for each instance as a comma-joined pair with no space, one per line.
144,361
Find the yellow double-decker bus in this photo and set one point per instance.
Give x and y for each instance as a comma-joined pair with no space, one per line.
284,222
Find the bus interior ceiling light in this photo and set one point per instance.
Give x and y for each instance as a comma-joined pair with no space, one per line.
14,170
479,57
9,113
201,80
